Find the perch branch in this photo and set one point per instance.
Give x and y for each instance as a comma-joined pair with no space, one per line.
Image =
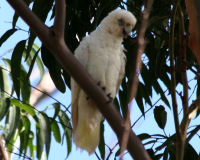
64,56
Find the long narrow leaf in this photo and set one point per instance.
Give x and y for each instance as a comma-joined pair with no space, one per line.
16,65
11,123
28,108
6,36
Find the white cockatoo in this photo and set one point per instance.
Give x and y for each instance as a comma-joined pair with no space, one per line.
102,55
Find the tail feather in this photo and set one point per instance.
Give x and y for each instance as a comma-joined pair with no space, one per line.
87,131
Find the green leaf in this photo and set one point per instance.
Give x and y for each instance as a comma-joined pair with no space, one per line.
159,90
123,102
14,21
139,98
34,57
16,65
30,44
190,153
4,106
4,82
24,134
6,36
65,121
25,86
28,108
144,136
57,109
160,116
30,144
11,122
45,131
41,8
102,142
56,131
39,140
54,69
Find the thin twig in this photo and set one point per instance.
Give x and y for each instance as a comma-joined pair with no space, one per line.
179,145
134,82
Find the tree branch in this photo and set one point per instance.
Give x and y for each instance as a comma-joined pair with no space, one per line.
64,56
179,155
138,67
59,22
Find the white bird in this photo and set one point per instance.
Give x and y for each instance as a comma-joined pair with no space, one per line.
102,55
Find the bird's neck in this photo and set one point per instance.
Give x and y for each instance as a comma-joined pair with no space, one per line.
106,37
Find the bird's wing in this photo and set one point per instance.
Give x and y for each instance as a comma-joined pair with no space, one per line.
122,69
81,53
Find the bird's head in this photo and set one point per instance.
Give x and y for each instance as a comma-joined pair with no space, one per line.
119,23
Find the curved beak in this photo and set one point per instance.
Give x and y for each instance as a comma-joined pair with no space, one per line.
127,30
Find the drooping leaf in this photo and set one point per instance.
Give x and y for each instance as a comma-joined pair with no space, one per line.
54,69
4,106
44,134
65,121
34,57
56,131
30,144
16,65
190,153
31,40
139,98
24,134
7,35
11,122
102,141
160,116
57,109
39,141
25,87
4,82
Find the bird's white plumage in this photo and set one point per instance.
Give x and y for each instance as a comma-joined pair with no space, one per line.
102,56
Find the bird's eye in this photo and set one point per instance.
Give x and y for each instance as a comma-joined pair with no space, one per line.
121,21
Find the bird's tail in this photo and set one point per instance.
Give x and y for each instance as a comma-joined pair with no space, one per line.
86,135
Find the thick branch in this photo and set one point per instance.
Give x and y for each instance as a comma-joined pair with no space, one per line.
71,64
59,22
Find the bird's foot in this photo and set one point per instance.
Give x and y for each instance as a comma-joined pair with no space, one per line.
110,98
99,84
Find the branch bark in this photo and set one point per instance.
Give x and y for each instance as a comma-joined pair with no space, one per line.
179,145
59,49
138,67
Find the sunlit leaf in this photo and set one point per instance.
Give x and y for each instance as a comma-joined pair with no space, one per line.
45,131
11,122
4,106
56,131
28,108
65,121
4,82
